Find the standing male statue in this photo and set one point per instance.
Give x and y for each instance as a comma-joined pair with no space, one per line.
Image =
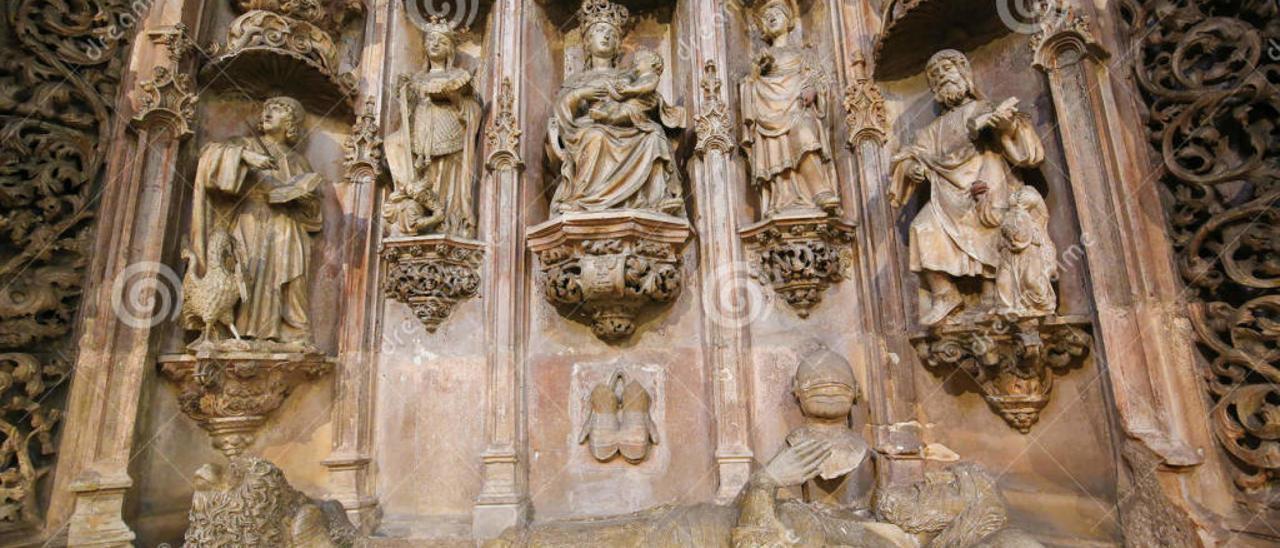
783,103
261,192
967,156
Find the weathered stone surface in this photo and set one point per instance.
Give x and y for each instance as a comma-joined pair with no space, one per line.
531,168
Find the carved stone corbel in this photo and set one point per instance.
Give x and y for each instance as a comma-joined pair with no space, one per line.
231,394
166,101
711,124
800,255
362,160
605,267
1012,362
431,274
503,136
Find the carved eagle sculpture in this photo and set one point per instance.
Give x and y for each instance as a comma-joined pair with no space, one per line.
210,300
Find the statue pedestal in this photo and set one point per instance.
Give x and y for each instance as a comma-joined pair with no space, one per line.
800,254
231,394
431,274
1012,361
604,267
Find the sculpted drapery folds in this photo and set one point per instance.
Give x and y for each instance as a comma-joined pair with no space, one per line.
981,221
262,193
608,135
784,101
433,154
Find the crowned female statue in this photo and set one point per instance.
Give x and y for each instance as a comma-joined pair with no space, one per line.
608,134
433,154
783,103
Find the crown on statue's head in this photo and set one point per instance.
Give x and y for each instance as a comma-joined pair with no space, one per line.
603,11
440,25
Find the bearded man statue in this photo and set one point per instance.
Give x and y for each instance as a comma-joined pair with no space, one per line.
967,157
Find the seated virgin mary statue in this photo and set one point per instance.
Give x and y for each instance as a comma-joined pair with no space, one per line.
608,135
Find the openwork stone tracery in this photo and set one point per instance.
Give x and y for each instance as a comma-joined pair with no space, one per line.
58,78
1209,74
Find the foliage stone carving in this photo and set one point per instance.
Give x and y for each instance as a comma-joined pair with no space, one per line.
800,256
604,268
59,74
1012,362
431,274
1210,84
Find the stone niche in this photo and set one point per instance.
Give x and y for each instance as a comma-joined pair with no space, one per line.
432,310
232,400
987,379
638,273
286,46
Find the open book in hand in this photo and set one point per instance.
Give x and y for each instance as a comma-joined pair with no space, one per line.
297,187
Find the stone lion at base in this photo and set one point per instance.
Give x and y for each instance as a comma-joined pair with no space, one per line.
955,507
251,504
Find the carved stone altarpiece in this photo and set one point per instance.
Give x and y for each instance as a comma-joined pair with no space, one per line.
1013,362
431,274
232,394
605,267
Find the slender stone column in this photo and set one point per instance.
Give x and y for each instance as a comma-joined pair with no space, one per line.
351,480
116,352
887,353
715,180
1150,358
503,500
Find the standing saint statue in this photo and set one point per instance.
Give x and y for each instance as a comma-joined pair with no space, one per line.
262,192
967,156
608,135
783,104
433,154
